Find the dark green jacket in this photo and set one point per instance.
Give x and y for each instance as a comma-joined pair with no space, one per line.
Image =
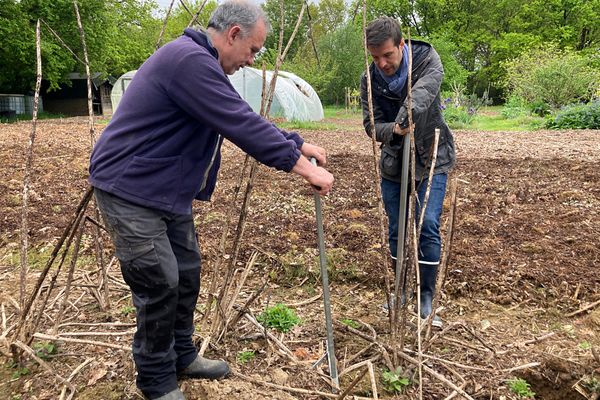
389,108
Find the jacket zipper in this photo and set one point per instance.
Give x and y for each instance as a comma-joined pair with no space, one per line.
210,164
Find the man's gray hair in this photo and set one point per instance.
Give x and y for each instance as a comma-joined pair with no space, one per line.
237,12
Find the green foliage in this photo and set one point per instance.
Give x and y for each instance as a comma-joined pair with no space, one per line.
521,388
45,350
351,323
585,345
291,12
279,317
577,116
458,117
340,63
553,76
454,72
460,109
120,35
394,382
245,356
18,371
180,19
127,310
592,384
514,107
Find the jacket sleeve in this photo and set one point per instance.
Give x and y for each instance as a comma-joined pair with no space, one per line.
293,136
384,130
425,88
200,87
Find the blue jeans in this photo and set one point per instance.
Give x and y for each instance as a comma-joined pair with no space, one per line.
430,242
160,261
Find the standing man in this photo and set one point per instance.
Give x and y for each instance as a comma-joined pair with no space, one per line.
389,76
159,153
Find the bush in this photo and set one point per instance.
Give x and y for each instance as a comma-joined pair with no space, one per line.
552,76
514,107
577,116
459,109
458,117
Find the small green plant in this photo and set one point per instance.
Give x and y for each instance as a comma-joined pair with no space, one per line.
126,310
45,350
351,323
245,356
394,382
592,384
279,317
521,388
585,345
18,371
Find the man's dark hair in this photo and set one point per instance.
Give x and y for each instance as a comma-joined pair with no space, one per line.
382,29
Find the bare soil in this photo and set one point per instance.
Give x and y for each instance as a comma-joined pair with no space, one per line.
524,256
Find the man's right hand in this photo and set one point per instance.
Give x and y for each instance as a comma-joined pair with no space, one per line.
398,130
318,177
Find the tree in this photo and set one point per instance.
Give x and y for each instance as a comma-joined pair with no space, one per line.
291,12
120,35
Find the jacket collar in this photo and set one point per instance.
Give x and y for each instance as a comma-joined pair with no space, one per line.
202,39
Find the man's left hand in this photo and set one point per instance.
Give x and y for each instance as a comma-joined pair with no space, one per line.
310,150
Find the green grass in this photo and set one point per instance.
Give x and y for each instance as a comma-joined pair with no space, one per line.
491,119
329,112
307,125
341,112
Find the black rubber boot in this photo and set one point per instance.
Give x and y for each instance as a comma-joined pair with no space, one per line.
204,368
428,278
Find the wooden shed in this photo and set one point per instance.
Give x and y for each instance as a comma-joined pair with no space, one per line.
72,100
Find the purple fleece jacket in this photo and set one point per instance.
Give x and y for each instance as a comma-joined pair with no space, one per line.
162,146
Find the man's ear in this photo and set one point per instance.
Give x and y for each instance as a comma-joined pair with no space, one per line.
401,43
233,33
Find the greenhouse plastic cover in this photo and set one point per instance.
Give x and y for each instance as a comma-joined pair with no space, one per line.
294,98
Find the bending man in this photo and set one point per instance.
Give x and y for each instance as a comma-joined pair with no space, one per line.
160,152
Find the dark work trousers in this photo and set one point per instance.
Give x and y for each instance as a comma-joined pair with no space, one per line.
160,261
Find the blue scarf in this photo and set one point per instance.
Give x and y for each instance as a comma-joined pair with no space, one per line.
397,81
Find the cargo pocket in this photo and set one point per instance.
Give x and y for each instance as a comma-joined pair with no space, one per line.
140,266
391,160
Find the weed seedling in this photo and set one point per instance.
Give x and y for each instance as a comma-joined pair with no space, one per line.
394,382
351,323
279,317
245,356
585,345
18,371
126,310
521,388
45,350
593,385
